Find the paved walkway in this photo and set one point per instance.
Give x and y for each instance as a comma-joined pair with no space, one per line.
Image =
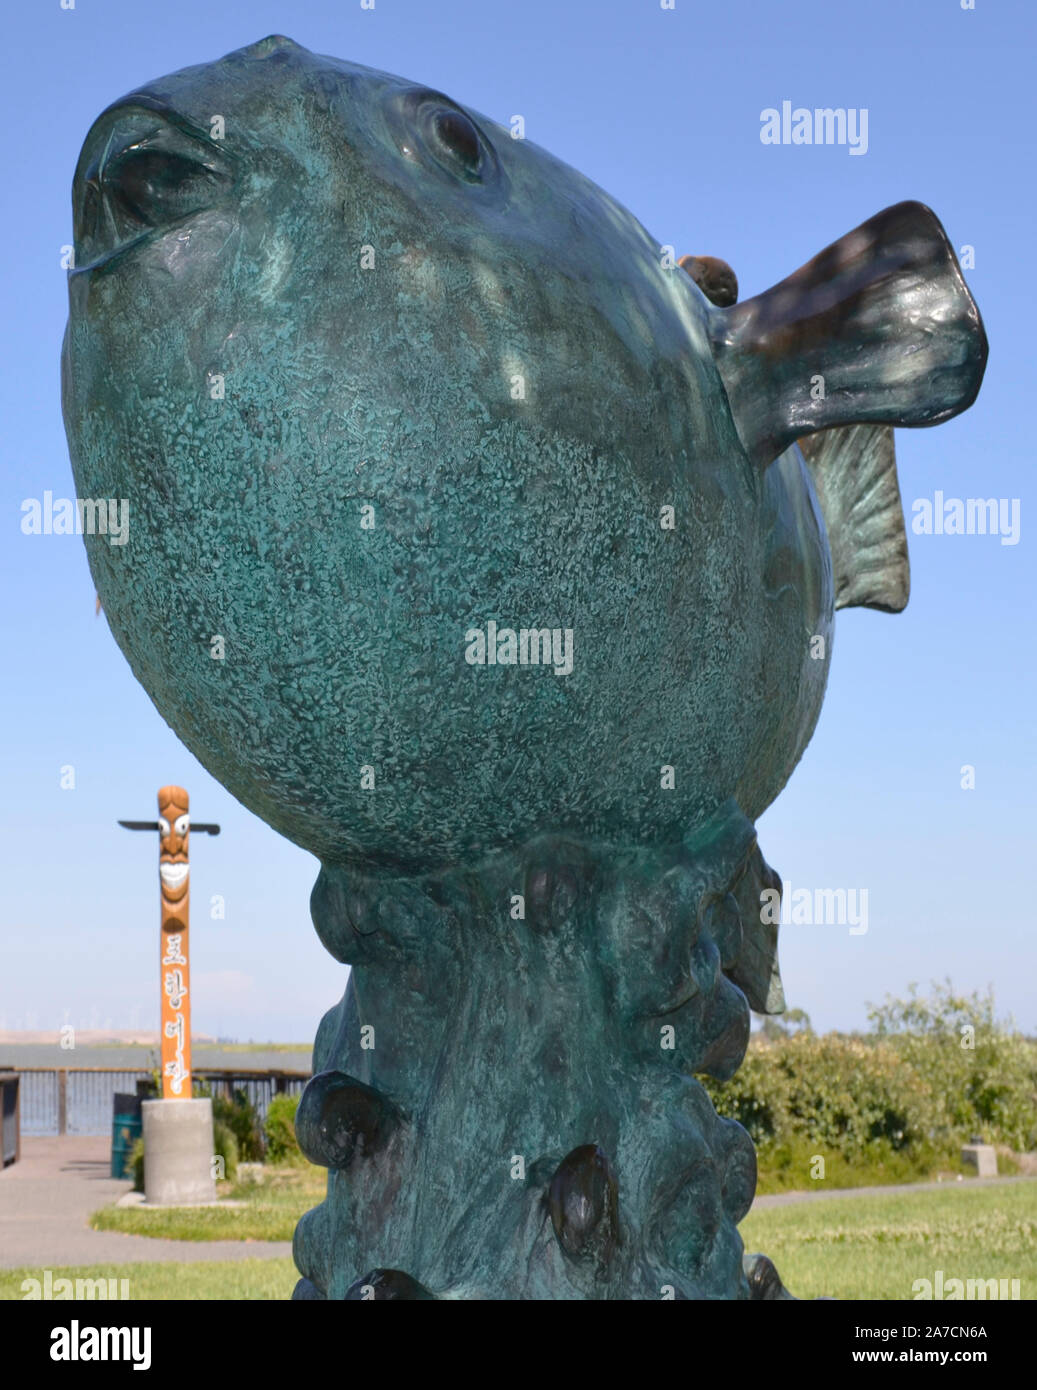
786,1199
47,1196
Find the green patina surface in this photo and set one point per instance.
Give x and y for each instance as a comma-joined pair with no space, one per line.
373,375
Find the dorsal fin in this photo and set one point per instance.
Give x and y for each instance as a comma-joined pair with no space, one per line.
854,470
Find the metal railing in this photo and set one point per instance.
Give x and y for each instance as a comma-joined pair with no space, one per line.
78,1100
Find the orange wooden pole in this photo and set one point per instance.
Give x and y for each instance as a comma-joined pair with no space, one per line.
174,823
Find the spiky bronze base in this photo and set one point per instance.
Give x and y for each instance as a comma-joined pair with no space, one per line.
504,1098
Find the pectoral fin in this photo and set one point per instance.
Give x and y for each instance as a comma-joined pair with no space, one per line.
854,471
880,328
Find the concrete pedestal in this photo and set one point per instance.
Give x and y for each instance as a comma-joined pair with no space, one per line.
982,1157
178,1153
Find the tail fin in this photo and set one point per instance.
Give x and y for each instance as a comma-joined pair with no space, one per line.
882,317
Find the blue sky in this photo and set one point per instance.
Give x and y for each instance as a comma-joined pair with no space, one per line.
662,108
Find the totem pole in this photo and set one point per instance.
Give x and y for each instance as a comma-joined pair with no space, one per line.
474,550
174,826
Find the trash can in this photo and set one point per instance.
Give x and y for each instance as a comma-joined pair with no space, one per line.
126,1130
10,1138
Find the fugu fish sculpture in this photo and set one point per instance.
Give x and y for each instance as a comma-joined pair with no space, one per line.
472,548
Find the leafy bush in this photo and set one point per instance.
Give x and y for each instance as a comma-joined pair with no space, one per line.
242,1119
136,1163
225,1146
281,1143
982,1071
238,1115
837,1093
902,1100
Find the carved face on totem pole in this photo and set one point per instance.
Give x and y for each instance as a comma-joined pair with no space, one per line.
174,824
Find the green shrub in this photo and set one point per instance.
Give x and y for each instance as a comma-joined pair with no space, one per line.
225,1146
898,1102
839,1094
136,1164
982,1071
237,1114
281,1143
241,1118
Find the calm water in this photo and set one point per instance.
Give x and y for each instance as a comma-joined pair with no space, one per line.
131,1058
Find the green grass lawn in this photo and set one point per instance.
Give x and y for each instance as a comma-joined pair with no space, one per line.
272,1209
876,1246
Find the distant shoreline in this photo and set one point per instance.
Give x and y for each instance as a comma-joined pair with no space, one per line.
135,1038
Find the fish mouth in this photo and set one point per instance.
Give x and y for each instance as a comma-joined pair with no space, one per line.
173,876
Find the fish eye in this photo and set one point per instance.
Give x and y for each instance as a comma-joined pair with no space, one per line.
458,138
163,826
428,126
182,824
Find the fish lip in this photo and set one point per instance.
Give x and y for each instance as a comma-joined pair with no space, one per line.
222,164
108,256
